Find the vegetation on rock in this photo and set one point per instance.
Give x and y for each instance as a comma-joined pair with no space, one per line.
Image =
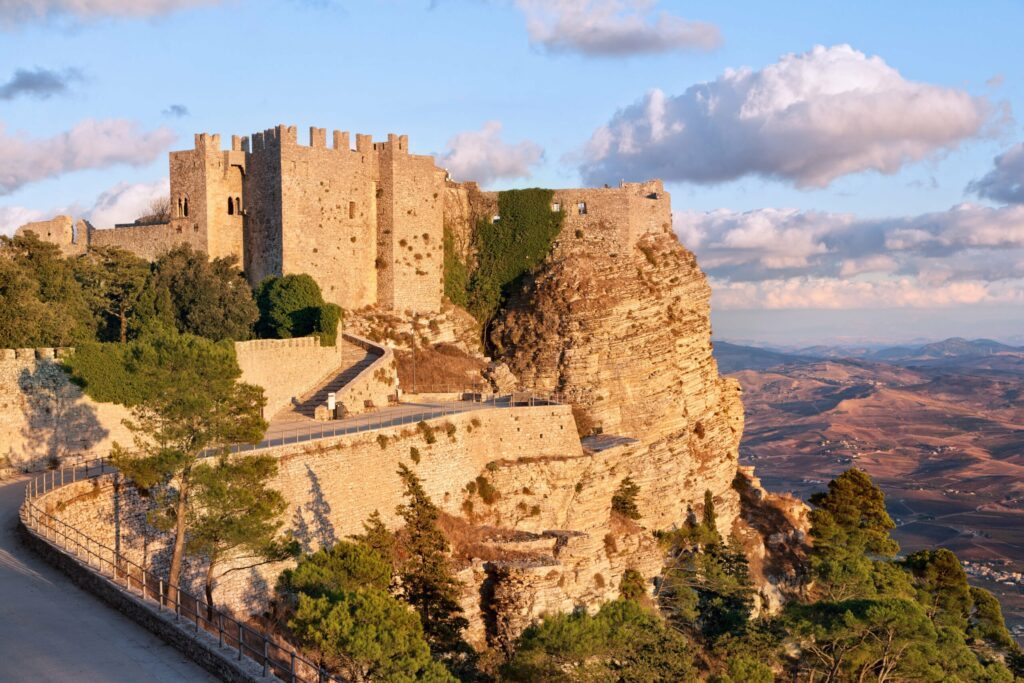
511,247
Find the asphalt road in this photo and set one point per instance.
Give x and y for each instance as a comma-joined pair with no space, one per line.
50,630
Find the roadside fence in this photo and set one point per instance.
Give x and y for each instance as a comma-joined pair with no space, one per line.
191,611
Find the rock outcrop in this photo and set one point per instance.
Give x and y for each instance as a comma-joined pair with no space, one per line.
624,334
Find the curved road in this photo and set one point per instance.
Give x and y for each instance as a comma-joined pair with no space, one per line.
50,630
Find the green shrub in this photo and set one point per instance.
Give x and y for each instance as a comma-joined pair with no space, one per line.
414,454
290,306
101,370
456,274
427,431
382,441
328,317
511,247
487,492
624,500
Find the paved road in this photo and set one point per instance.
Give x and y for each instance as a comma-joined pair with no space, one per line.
281,432
50,630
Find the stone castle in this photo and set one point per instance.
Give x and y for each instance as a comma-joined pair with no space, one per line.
367,223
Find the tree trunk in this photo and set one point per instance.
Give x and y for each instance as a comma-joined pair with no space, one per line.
179,535
123,317
209,590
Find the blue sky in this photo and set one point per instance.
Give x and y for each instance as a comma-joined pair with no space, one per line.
779,226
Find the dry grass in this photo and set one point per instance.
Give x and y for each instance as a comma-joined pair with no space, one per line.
469,541
437,368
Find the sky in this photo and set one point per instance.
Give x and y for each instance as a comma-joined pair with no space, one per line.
845,172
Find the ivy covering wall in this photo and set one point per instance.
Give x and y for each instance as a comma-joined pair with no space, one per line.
510,247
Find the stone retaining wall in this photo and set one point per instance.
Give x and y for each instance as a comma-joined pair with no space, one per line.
286,368
376,385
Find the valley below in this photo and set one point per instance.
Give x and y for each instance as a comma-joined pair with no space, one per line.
939,428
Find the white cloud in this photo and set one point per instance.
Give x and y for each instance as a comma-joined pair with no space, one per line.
808,118
13,217
482,155
1005,182
125,202
879,263
20,11
122,203
832,293
784,258
613,27
90,144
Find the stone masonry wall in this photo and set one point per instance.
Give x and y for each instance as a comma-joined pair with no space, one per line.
145,241
375,386
333,485
45,418
410,229
286,368
329,213
62,231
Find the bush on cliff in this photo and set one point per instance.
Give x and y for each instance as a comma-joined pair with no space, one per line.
293,306
336,605
456,274
511,247
623,642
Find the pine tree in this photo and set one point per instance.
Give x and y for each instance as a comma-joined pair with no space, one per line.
427,581
234,514
624,499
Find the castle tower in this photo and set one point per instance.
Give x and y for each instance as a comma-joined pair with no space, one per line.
410,228
207,198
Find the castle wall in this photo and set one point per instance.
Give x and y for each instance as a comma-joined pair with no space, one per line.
70,237
329,211
224,181
333,485
262,206
44,417
622,214
146,241
286,368
410,229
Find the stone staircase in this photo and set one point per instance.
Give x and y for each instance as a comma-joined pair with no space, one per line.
355,359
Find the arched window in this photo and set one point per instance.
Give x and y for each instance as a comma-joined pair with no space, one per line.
238,205
180,214
231,206
185,207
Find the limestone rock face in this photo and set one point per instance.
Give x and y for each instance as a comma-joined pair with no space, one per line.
625,336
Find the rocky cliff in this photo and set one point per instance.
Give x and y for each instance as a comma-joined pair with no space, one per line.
623,332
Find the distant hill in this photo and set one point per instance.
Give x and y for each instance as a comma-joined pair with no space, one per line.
735,357
954,347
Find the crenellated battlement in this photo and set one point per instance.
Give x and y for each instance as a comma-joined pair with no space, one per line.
41,353
365,218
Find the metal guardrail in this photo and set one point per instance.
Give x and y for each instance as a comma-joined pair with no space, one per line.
276,659
392,417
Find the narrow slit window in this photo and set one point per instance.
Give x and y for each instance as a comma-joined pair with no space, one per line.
238,205
185,205
351,210
231,206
